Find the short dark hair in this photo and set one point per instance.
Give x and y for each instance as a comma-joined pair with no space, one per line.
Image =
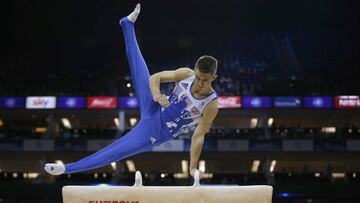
207,64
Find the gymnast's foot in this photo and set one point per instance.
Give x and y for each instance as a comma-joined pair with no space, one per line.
133,15
55,169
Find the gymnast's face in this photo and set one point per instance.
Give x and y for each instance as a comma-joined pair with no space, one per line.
203,80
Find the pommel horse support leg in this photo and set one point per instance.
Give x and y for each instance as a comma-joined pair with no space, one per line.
167,194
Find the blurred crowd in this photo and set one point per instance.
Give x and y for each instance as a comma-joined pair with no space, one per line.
275,133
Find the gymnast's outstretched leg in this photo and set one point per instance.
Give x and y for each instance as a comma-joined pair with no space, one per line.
132,143
135,141
138,68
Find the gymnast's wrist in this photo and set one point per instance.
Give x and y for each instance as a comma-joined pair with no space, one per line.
156,96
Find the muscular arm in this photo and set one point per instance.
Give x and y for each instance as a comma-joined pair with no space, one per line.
202,128
163,77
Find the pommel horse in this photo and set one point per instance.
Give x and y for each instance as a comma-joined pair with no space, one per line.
167,194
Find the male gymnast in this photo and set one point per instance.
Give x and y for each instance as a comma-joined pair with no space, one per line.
193,103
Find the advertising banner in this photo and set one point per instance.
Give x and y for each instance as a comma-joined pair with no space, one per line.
71,102
129,102
102,102
318,102
347,102
287,102
256,102
229,102
40,102
12,102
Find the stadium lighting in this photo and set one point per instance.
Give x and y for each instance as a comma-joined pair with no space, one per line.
117,122
131,165
133,121
338,175
40,129
32,175
328,129
255,166
253,122
66,123
270,122
113,165
272,166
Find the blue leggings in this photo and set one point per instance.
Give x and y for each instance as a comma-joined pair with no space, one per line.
149,132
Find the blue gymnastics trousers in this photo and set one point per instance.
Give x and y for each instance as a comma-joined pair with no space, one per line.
149,132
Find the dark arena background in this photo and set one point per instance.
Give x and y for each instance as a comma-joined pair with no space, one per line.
288,85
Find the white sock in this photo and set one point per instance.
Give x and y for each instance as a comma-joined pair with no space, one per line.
55,169
133,15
